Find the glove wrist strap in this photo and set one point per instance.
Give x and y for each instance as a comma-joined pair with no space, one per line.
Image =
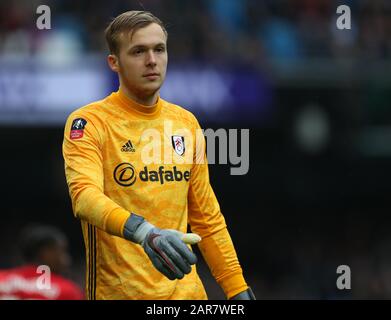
136,228
245,295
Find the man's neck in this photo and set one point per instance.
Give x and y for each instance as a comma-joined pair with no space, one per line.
145,101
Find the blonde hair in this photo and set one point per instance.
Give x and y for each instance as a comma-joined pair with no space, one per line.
129,21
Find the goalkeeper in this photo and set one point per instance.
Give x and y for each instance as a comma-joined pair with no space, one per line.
135,212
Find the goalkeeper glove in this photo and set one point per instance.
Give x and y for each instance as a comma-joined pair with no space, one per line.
244,295
166,248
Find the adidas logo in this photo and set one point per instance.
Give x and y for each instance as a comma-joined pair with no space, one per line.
128,147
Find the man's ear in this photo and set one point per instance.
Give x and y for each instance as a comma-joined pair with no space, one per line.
112,60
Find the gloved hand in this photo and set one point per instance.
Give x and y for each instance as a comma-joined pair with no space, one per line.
244,295
166,248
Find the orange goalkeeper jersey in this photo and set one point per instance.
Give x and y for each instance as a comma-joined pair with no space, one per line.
122,157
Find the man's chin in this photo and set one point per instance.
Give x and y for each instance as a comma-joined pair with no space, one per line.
151,88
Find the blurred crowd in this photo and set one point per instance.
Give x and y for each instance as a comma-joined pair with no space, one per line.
247,31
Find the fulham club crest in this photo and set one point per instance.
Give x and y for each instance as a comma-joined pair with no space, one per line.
178,143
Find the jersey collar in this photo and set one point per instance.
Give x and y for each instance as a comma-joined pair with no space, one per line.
136,108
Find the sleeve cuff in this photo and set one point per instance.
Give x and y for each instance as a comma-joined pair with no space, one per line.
233,284
116,221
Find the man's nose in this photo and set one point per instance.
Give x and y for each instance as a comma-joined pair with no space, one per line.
151,59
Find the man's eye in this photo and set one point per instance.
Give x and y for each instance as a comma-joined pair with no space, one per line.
138,52
160,50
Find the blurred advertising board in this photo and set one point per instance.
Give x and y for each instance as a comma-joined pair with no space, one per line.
38,93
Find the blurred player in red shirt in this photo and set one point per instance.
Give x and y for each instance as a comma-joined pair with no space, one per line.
42,247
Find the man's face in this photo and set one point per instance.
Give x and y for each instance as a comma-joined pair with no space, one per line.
142,60
56,256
